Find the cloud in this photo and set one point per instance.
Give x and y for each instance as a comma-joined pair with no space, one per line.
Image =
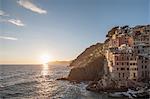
8,38
15,22
12,21
2,13
29,5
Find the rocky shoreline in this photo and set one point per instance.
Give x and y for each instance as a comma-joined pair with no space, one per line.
106,84
92,65
130,89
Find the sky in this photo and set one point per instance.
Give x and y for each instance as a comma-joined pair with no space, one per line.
61,29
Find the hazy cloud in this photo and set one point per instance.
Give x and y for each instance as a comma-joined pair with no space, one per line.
12,21
2,13
8,38
16,22
29,5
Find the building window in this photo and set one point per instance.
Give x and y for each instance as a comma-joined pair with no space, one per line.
117,63
123,75
127,58
147,39
122,68
142,74
127,63
145,61
145,66
122,63
142,66
145,73
117,68
127,68
139,57
134,74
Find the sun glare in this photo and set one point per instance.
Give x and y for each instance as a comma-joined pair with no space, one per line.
46,58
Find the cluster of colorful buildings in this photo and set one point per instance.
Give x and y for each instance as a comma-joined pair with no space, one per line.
127,50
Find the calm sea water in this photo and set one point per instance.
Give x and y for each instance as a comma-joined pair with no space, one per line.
39,82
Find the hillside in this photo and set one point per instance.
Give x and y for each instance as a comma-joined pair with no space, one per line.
89,65
88,55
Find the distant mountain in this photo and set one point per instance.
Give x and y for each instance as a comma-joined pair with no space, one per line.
60,63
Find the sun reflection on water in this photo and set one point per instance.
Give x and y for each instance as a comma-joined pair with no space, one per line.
45,69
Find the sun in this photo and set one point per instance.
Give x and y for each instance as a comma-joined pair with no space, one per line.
45,58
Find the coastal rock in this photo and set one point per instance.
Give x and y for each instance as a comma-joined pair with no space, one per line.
89,65
91,71
107,84
87,56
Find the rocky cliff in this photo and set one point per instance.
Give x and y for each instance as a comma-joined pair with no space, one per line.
89,65
88,55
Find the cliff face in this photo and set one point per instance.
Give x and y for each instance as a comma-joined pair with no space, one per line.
89,65
88,55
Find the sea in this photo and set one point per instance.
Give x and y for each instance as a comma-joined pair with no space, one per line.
39,82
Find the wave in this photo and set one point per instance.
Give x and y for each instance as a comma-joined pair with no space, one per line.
27,83
20,84
17,89
10,95
18,75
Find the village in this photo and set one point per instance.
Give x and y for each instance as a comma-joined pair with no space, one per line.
128,53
